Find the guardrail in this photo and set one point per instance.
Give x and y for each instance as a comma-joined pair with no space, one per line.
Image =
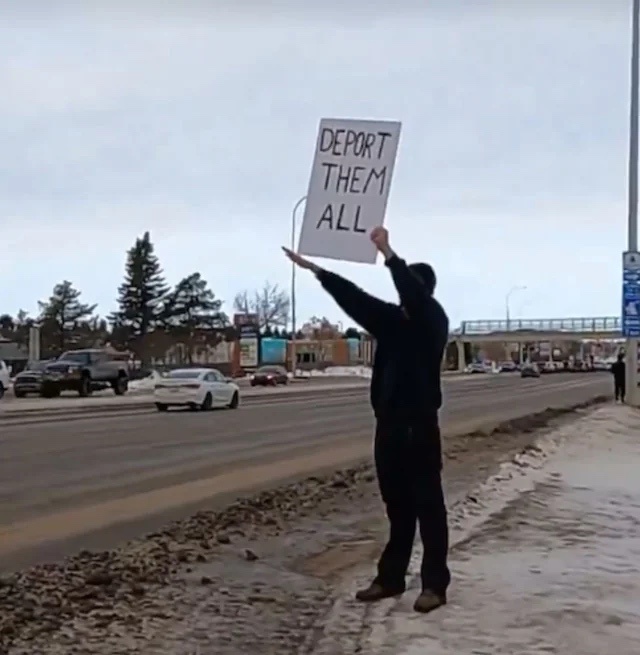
612,324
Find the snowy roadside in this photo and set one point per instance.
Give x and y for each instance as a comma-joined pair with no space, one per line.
545,553
260,576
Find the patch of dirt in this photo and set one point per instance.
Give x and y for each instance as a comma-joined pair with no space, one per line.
330,563
254,577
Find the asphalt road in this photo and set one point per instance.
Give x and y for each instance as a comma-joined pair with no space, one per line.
65,486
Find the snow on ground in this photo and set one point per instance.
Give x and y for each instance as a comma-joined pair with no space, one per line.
145,384
330,371
343,371
544,557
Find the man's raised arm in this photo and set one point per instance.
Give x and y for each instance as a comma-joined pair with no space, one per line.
412,291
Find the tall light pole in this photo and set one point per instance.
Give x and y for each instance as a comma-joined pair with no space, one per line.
294,357
507,298
632,216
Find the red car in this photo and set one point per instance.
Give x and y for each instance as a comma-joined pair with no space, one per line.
269,376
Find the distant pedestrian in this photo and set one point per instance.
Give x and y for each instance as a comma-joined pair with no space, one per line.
619,370
405,395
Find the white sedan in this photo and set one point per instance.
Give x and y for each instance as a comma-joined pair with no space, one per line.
196,388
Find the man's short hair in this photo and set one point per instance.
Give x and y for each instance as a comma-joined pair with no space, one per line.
426,274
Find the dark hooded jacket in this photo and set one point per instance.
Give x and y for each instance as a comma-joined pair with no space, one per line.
618,368
410,340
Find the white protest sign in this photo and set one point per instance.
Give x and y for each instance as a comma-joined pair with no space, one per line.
349,188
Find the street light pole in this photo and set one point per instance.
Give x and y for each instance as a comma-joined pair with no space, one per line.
506,302
508,313
294,357
632,215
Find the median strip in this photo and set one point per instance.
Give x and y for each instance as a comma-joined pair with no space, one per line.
146,403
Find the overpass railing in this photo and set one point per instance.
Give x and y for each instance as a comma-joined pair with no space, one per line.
601,324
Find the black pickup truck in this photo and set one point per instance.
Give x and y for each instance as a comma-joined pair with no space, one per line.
84,371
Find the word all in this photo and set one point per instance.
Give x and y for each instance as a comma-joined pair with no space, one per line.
341,218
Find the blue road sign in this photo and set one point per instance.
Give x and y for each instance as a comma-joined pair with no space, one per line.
631,294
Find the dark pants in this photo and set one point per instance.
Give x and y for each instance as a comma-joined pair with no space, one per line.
619,389
408,456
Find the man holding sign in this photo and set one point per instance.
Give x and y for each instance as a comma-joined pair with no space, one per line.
405,395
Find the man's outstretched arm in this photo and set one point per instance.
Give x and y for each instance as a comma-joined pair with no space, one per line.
372,314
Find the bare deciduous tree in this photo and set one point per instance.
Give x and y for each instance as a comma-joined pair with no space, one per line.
270,303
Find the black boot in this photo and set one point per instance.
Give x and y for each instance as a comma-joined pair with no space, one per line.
428,601
376,591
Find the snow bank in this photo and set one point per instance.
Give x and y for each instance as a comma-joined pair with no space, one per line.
379,629
340,371
145,385
330,371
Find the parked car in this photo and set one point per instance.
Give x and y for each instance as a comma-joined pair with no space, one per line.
507,367
530,371
196,388
5,378
84,371
548,367
30,379
270,376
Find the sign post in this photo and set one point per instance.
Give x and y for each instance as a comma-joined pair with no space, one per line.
631,318
349,188
248,327
632,215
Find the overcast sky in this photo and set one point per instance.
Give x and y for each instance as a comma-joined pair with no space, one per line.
199,125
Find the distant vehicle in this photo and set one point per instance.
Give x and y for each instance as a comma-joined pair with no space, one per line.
30,380
479,367
579,367
530,371
548,367
507,367
270,376
196,388
601,365
5,378
85,371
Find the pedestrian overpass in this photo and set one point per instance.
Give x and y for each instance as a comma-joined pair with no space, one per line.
539,329
603,328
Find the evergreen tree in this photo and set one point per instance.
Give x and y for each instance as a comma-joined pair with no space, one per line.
194,313
141,297
61,316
